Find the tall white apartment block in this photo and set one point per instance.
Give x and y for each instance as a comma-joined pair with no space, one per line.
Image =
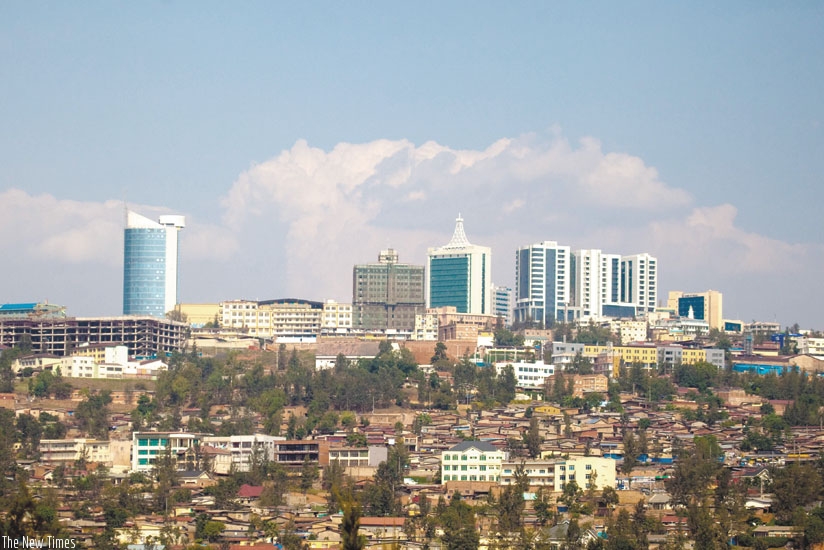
552,284
542,282
639,281
596,282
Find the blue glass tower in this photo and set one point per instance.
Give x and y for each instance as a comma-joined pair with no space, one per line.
459,274
150,265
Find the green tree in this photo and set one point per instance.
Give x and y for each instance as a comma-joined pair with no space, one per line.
440,356
308,475
694,470
213,530
458,524
533,439
510,506
92,414
793,486
630,460
29,432
351,539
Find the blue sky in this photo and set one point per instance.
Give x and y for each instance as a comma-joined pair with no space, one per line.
691,131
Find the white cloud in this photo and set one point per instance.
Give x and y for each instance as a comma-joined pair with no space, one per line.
338,208
296,224
51,230
710,234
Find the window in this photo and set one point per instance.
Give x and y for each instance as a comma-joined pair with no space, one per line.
463,467
589,466
483,467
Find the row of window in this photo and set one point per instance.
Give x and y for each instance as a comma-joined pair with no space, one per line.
470,478
464,467
464,457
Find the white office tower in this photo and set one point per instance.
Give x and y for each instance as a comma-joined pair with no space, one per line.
542,283
639,281
596,282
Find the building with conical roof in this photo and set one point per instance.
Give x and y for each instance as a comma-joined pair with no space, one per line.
459,274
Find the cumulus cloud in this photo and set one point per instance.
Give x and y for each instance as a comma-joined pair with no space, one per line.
332,209
295,224
709,233
48,229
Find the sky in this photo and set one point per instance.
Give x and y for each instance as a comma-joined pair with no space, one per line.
301,138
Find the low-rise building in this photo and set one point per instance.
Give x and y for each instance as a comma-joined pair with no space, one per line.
358,457
528,375
147,447
472,461
245,449
69,451
554,473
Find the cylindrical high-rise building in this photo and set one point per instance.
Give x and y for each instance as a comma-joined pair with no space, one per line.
150,264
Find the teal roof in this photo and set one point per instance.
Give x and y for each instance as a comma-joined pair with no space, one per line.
18,307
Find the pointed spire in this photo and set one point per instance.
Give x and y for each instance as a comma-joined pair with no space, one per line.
459,239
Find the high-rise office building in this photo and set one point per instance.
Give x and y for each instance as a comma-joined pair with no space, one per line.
553,283
595,281
459,274
542,283
639,281
150,264
388,294
502,295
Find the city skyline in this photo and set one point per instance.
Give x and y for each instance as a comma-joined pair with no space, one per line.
298,141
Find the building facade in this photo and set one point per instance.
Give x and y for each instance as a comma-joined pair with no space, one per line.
553,283
245,449
705,306
639,281
145,337
459,274
472,461
150,258
284,319
147,447
596,282
387,294
542,283
502,296
336,316
555,473
528,375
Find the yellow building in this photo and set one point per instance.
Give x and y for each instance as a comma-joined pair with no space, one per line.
551,410
198,315
647,355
